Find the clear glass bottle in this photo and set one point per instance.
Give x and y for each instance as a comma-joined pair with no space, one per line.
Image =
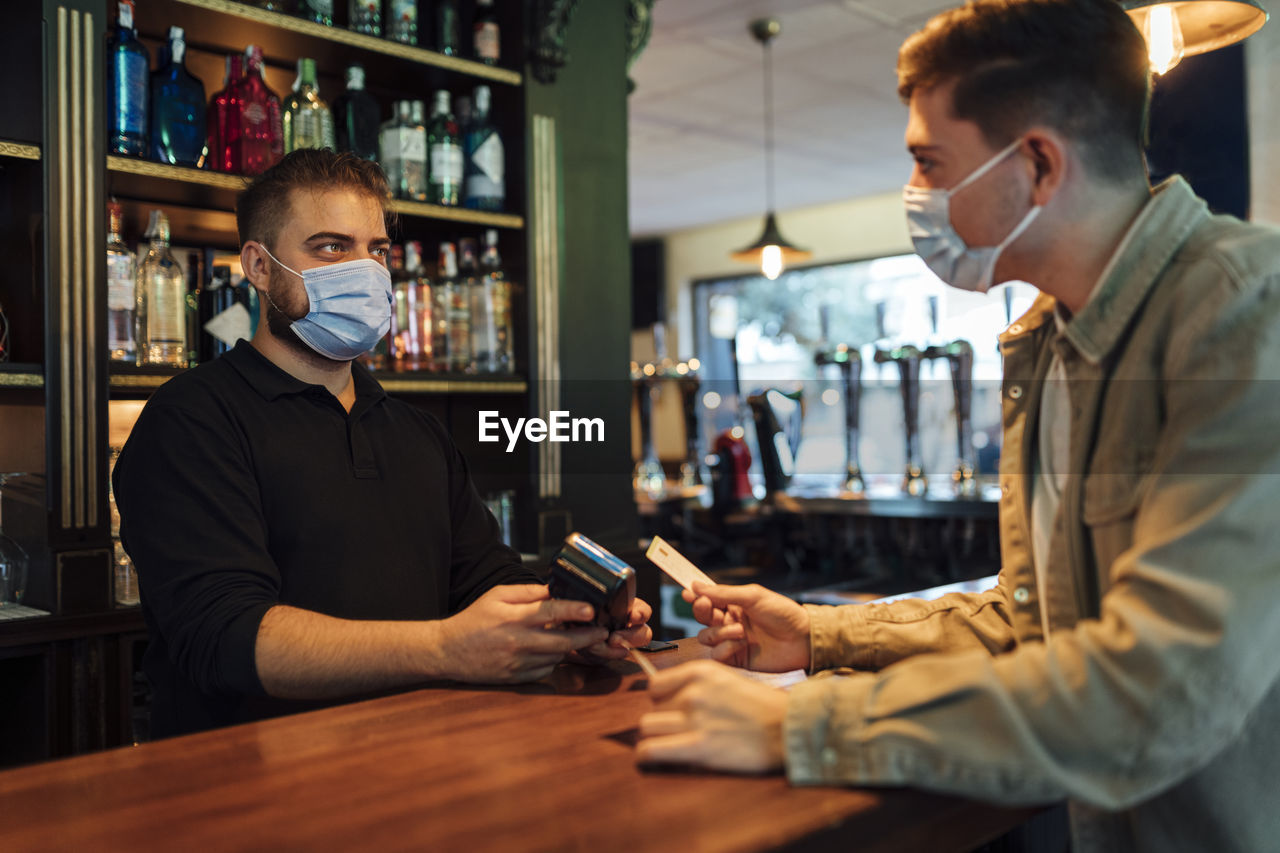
223,119
444,150
486,41
261,120
402,148
497,290
420,310
365,16
14,563
177,109
399,334
307,120
121,281
162,301
402,21
127,95
457,311
447,41
483,332
356,117
316,11
485,185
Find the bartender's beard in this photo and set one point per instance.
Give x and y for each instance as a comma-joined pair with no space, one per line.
287,302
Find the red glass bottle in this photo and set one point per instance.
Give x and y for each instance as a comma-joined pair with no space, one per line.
261,130
224,119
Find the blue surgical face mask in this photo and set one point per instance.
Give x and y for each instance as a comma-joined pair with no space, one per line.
350,307
935,238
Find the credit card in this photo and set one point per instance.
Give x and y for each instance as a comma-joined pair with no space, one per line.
675,564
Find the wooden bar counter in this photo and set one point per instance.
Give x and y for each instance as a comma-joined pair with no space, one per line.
548,766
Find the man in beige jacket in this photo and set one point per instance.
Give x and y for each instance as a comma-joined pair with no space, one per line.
1129,659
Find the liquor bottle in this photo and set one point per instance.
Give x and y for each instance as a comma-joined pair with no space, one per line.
307,120
497,290
224,314
194,273
177,109
399,334
485,181
365,16
402,21
162,301
483,332
447,41
419,310
457,312
121,279
444,150
316,11
402,147
486,36
261,122
224,119
128,65
356,118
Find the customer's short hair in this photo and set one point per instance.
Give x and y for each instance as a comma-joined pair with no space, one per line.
1078,66
262,208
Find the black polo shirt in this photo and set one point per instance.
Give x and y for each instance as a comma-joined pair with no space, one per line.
242,487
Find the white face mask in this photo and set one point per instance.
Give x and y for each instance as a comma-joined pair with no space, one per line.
349,307
936,240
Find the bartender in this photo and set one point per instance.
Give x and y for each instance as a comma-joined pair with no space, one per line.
299,536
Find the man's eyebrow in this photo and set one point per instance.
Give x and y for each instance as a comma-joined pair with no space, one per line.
330,235
920,148
380,241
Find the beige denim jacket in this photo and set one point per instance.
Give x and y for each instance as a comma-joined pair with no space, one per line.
1154,704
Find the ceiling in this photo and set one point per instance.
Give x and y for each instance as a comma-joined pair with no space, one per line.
697,113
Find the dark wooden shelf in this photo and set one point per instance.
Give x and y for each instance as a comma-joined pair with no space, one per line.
18,375
19,150
50,629
143,380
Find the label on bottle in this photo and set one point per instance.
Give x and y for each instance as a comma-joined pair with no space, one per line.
231,324
167,313
403,14
131,93
254,114
446,163
120,282
488,43
488,179
413,146
320,7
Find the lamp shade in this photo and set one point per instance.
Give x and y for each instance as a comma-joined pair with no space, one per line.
771,251
1206,24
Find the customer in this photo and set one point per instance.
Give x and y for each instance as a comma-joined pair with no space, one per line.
298,534
1129,659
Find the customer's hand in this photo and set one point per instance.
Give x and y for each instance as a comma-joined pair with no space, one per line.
637,633
751,627
708,715
514,633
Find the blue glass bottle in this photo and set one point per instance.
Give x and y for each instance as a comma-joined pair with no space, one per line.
127,65
177,109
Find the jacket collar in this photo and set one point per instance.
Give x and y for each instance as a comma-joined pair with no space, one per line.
1165,223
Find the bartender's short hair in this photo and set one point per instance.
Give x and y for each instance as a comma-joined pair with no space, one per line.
1078,66
263,207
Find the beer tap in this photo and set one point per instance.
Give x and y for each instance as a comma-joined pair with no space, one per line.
693,469
648,476
849,362
907,358
959,356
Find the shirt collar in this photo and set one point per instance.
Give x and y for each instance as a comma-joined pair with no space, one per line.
271,381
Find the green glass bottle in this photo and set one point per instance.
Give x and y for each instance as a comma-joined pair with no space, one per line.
307,120
444,153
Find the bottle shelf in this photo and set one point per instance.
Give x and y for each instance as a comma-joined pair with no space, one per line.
14,375
134,380
161,184
19,150
327,45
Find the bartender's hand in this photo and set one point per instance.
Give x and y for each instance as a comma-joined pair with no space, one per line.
708,715
515,633
751,627
637,633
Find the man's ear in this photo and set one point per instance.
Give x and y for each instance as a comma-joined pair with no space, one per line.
256,265
1048,159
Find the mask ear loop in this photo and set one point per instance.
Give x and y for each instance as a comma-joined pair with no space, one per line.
985,167
267,292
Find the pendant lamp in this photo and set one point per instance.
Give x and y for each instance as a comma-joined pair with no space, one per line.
1187,27
771,252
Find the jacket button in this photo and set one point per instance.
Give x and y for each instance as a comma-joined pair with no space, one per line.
829,756
1004,489
1015,329
1021,594
1015,392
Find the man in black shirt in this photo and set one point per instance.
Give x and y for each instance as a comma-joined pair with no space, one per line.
299,535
